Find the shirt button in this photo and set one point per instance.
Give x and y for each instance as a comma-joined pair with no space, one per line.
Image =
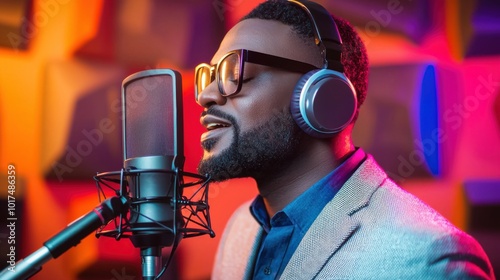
267,270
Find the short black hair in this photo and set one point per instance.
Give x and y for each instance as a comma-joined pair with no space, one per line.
354,57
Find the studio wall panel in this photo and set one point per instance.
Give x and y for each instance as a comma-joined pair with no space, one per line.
483,215
16,26
178,33
401,121
483,199
412,19
496,110
81,120
474,114
485,21
473,27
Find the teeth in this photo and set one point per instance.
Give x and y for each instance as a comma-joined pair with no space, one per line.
211,126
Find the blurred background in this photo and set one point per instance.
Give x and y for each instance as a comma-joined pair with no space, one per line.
432,117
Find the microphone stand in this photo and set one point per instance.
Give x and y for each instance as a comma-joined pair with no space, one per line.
151,262
67,238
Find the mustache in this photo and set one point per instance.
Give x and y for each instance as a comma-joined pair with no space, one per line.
218,113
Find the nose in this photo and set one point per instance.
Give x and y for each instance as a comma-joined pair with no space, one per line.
210,96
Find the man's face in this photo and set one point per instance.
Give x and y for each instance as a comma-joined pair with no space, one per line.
252,133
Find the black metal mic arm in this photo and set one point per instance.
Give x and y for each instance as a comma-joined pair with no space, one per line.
67,238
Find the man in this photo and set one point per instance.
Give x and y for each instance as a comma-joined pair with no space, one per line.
325,209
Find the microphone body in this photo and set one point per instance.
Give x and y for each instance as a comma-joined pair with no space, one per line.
153,152
148,206
152,176
152,192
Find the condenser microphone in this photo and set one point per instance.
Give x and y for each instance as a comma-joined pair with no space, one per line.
153,158
150,207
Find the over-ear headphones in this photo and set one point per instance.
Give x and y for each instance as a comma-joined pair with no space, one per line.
324,101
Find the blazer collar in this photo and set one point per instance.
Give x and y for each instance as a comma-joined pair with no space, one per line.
336,223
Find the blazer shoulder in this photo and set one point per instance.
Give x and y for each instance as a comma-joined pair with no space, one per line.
449,251
237,245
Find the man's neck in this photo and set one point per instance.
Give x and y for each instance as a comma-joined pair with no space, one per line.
320,158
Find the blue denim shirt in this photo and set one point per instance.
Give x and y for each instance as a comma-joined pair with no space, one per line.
284,231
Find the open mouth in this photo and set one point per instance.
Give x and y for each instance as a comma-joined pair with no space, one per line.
211,122
213,126
216,128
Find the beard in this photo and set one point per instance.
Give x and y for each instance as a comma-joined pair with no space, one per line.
260,152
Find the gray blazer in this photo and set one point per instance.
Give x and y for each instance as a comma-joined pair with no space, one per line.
372,229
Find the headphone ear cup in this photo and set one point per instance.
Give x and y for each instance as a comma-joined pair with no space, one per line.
323,102
295,105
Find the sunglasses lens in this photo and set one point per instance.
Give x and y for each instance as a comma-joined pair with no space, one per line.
229,74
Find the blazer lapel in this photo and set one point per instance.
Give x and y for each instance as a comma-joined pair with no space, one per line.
336,223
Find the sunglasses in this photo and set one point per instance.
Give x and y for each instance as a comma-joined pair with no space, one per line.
228,72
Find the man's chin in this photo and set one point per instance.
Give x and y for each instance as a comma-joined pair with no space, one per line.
257,153
219,167
213,173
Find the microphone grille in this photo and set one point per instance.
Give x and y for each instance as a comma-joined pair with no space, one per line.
152,114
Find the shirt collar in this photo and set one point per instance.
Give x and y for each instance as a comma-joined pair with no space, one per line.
312,201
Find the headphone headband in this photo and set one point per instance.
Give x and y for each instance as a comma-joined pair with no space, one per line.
326,33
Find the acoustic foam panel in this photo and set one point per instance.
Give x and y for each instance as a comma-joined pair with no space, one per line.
180,33
485,22
496,110
474,116
412,19
81,125
474,27
401,123
483,198
17,26
483,207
